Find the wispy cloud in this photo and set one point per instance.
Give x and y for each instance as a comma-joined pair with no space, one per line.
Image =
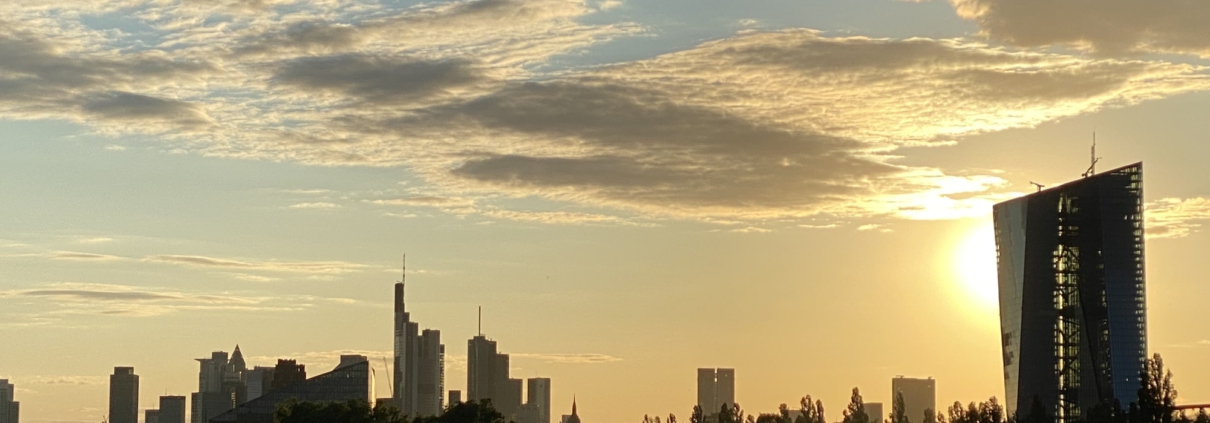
74,255
322,267
580,358
315,206
1176,217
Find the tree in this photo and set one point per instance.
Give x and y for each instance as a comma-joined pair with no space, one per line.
1201,417
730,414
698,416
353,411
855,413
466,412
991,411
957,413
930,416
812,412
1157,395
898,409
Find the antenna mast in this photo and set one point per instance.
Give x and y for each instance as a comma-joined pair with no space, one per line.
1092,168
480,320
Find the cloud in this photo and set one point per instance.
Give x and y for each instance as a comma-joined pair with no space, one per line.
1106,27
315,206
93,240
73,255
1176,217
122,106
377,80
580,358
319,267
68,299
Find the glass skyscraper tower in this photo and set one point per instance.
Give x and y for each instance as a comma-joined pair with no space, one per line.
1072,301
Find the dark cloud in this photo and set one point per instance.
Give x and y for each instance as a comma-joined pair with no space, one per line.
124,106
100,295
1105,26
642,150
377,79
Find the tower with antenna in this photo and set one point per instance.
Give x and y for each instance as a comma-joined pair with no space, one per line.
1092,167
418,384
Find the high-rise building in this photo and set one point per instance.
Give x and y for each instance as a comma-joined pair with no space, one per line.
706,391
455,398
349,381
287,372
151,415
1072,293
715,388
419,373
431,385
260,380
172,409
10,410
873,410
222,385
537,393
528,413
918,395
481,363
123,396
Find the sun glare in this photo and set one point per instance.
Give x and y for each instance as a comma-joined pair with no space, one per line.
974,264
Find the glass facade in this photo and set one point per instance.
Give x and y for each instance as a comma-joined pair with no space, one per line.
1071,284
349,382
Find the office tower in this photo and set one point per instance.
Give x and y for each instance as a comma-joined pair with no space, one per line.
528,413
287,372
511,398
706,391
9,409
538,395
431,385
222,385
918,395
715,388
419,362
172,409
1072,306
349,381
481,362
724,387
574,417
151,416
260,380
455,397
873,410
123,396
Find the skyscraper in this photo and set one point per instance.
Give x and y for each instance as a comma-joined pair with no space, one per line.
715,388
260,380
172,409
537,394
419,373
222,385
9,409
151,415
123,396
481,363
873,410
918,395
1072,305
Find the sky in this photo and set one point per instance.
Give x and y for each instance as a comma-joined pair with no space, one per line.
797,189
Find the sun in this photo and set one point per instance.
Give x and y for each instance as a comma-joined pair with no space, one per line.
974,266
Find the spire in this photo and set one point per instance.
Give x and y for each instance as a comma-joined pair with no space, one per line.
573,404
237,360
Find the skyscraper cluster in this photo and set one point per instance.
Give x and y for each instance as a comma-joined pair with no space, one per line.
487,379
9,409
222,384
1072,294
419,374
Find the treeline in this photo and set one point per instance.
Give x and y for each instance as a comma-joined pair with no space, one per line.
356,411
1156,403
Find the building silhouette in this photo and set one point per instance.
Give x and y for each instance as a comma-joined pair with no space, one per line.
123,396
287,372
1072,293
715,388
419,373
351,380
172,409
574,417
455,397
151,415
222,384
260,380
10,410
537,391
485,379
873,410
918,395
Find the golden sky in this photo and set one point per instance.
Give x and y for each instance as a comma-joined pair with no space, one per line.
800,190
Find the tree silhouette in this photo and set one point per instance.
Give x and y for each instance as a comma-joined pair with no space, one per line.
353,411
1157,395
698,416
855,413
930,416
812,412
898,409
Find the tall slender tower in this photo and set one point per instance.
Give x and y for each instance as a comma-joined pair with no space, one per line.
405,351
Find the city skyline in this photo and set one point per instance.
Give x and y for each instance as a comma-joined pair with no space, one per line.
631,190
